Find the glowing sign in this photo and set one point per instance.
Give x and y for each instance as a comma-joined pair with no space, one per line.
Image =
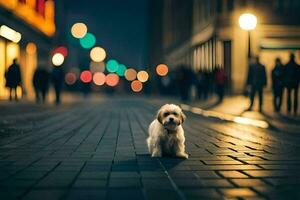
10,34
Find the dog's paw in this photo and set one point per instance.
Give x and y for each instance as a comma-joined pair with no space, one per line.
183,155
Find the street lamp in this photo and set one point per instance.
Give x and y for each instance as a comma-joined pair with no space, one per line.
248,22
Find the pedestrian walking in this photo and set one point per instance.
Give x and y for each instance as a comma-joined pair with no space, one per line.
256,81
57,80
291,83
41,83
13,79
277,84
220,80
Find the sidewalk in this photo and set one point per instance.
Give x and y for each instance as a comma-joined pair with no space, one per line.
237,106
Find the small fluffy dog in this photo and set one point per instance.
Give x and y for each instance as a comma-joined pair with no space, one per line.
166,135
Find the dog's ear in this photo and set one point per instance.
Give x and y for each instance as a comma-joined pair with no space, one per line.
182,116
159,116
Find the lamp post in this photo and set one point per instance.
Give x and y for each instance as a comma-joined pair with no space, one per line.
248,22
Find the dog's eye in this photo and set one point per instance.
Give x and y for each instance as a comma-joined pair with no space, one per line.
175,113
166,114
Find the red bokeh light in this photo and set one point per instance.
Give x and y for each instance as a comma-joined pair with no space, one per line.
70,78
112,79
86,76
63,50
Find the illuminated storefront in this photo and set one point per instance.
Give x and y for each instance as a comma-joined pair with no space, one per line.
26,30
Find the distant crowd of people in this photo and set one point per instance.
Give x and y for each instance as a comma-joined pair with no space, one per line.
42,79
283,77
208,82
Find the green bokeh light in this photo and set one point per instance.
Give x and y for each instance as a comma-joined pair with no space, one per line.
112,65
121,70
88,41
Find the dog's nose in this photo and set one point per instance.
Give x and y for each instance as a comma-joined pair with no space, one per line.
171,119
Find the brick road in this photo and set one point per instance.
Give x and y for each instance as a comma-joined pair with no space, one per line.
97,150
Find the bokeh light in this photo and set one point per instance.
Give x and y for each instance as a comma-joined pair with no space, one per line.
136,86
58,59
99,78
162,69
121,70
62,50
97,54
130,74
97,66
112,79
247,21
112,65
79,30
70,78
88,41
86,76
142,76
31,48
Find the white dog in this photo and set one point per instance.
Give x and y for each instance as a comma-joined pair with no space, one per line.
166,135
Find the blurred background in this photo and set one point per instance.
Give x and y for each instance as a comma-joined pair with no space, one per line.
153,47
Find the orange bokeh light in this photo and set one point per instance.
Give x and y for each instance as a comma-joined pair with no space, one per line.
31,48
112,79
142,76
162,70
136,86
99,78
79,30
130,74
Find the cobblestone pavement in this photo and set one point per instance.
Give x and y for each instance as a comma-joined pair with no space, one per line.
97,150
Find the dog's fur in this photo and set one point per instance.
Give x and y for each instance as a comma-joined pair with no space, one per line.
166,135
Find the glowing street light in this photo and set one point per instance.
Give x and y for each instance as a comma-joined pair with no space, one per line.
248,22
58,59
97,54
79,30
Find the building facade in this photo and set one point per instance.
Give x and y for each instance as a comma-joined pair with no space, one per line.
205,34
26,31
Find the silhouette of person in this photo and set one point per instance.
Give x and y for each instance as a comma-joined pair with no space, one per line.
186,78
220,80
256,80
277,84
200,84
41,83
57,80
291,82
206,84
13,78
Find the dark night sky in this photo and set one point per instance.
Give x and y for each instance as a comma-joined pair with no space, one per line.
120,26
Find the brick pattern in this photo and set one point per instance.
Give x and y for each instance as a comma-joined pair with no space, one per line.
98,151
